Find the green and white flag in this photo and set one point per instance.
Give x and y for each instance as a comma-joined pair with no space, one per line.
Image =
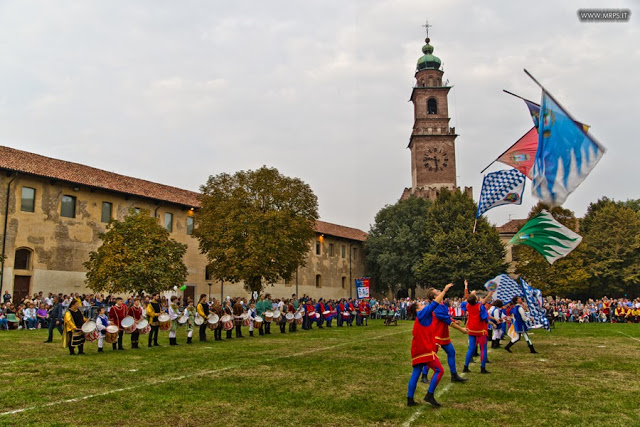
547,236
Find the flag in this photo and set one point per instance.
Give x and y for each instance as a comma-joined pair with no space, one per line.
512,332
505,288
534,110
522,154
547,236
566,154
537,312
501,188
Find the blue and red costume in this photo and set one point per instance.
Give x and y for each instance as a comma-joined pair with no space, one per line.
478,327
423,349
441,322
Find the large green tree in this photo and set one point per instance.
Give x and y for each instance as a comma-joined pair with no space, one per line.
136,255
255,226
396,244
453,252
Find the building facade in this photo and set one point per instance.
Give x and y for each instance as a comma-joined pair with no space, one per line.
53,211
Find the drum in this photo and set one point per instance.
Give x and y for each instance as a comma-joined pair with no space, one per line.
164,321
311,313
212,321
112,334
183,320
128,324
257,322
345,314
199,320
353,313
317,315
289,317
143,326
326,313
90,331
268,316
246,319
298,318
276,316
227,322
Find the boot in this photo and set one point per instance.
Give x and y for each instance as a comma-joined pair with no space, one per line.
455,378
532,350
189,340
172,341
484,371
81,349
114,346
250,333
431,400
425,379
466,369
508,347
411,402
100,350
260,331
72,351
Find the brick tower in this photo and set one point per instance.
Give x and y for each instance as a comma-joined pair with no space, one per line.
432,142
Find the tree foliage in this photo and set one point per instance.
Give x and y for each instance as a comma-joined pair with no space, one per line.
453,252
255,226
136,255
396,244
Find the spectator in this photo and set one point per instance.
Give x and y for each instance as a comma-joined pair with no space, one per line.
6,297
3,318
42,316
30,318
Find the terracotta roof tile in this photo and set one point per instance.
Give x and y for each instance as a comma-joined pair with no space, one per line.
512,226
340,231
35,164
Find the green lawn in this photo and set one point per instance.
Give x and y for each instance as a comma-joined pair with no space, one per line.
584,374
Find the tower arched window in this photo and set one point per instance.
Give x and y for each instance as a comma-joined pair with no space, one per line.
22,260
432,106
430,81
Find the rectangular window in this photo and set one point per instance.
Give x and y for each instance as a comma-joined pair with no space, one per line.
355,253
106,212
28,202
317,248
68,207
344,282
137,210
189,225
207,273
330,249
168,221
344,251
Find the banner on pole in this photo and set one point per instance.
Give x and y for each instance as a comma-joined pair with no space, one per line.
362,288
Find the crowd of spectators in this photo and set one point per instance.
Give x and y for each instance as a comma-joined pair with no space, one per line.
617,310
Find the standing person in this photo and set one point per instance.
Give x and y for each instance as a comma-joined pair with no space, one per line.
228,310
73,336
291,308
102,321
252,314
174,313
320,310
477,327
203,311
116,314
423,350
6,298
190,312
441,322
260,312
519,324
496,312
153,311
217,309
266,305
56,318
135,311
238,311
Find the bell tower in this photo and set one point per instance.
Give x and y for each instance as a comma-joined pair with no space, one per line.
432,141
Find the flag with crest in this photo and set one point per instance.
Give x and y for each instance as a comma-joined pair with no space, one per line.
503,187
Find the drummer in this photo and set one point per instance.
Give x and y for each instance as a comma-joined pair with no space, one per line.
153,311
291,308
229,311
102,321
260,312
73,336
135,311
217,309
238,311
320,310
116,314
203,311
174,313
190,312
267,306
252,314
329,316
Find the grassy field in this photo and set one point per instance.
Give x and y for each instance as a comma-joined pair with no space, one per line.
584,374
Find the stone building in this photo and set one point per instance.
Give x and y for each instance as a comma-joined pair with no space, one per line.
507,231
432,141
52,212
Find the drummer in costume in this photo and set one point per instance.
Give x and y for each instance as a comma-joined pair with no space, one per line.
116,314
341,309
267,306
477,327
217,309
135,311
102,321
350,310
252,314
153,311
319,310
228,310
174,313
520,320
260,312
309,309
441,322
423,349
291,308
190,312
238,311
73,336
496,331
203,311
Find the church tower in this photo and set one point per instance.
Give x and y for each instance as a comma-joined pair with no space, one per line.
432,142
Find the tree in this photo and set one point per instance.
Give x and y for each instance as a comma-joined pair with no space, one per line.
136,255
396,244
453,252
567,276
255,226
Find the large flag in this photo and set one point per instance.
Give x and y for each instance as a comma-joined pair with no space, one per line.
505,288
537,312
534,110
522,154
566,154
547,236
501,188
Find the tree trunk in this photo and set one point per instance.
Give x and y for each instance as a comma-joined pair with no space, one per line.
254,284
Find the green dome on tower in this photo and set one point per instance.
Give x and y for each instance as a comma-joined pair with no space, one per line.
428,61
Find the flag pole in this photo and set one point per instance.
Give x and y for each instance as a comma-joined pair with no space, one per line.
474,225
505,151
520,97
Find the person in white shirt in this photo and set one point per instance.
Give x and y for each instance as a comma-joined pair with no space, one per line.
30,317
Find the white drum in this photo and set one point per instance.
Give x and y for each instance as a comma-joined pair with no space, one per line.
128,324
90,331
143,326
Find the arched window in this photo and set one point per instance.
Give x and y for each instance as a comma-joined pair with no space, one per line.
318,281
432,106
22,260
430,81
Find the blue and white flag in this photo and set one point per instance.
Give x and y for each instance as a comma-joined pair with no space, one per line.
537,313
506,288
566,154
504,187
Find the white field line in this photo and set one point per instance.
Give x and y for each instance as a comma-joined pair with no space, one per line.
182,377
629,336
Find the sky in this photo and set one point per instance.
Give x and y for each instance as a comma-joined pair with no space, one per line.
174,92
